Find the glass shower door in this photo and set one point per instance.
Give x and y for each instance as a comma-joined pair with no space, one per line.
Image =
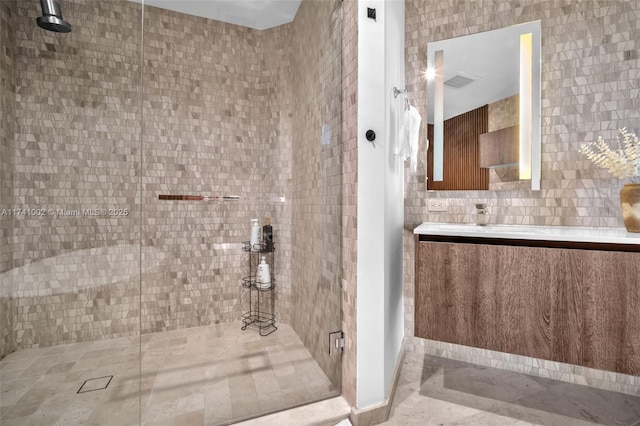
70,214
239,123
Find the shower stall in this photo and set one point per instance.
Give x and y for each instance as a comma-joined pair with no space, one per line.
137,143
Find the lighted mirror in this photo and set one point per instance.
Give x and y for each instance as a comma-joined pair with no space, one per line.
483,110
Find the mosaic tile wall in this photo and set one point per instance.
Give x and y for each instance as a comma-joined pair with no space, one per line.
221,109
248,155
578,374
589,88
208,130
349,194
76,273
590,84
317,178
277,155
218,114
187,246
7,129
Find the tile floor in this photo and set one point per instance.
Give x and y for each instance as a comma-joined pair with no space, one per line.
210,375
198,376
329,412
439,391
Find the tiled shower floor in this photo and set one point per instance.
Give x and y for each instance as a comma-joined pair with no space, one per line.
198,376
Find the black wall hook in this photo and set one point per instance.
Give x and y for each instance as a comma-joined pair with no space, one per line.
370,135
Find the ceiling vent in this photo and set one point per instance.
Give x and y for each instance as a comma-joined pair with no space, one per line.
458,81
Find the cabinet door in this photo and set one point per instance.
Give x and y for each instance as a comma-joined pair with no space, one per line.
454,299
539,302
612,311
521,300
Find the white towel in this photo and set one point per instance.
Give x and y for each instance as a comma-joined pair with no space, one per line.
409,137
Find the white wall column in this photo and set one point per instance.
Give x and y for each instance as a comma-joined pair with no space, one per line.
380,198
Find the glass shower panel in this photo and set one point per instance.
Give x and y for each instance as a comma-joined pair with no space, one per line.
316,185
203,142
70,214
239,123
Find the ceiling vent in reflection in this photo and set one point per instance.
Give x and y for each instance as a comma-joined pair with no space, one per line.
458,81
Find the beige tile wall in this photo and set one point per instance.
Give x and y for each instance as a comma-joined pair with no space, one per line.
77,146
278,122
207,131
316,80
590,86
7,129
349,194
608,380
226,110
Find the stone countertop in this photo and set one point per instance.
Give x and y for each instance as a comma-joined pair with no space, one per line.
531,232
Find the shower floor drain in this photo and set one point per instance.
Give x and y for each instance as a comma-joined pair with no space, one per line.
99,383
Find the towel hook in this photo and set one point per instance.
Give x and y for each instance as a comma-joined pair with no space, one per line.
397,92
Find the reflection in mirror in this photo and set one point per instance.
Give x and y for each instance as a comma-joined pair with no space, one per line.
483,110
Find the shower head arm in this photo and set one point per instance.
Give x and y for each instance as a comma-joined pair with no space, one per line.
51,18
50,8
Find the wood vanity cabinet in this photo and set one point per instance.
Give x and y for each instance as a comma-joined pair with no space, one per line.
572,305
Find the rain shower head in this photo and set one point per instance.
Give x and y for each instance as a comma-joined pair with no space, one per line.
51,18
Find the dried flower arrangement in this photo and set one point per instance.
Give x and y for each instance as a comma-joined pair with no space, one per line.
622,161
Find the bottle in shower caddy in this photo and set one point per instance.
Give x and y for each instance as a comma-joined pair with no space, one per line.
255,235
263,277
267,235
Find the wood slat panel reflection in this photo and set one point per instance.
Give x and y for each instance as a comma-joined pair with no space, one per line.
461,152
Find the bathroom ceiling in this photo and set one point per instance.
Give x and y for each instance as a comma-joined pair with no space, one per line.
491,60
258,14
